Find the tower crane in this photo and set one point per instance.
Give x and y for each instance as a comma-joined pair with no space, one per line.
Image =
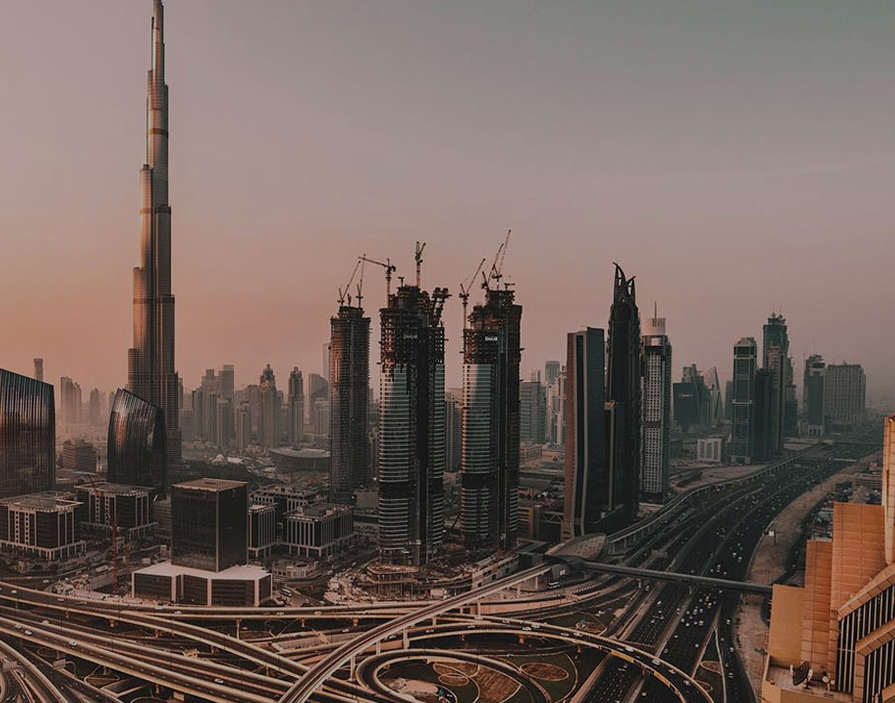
389,270
345,293
465,287
496,272
418,257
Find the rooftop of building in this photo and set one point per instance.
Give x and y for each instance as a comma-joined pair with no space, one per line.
257,508
319,510
118,489
780,677
210,484
46,501
246,572
304,453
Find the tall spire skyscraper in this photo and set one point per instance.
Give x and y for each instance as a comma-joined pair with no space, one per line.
151,372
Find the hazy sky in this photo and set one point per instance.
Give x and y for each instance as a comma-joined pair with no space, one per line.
737,157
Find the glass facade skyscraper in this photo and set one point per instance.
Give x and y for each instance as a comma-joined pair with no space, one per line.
489,465
623,388
588,481
743,404
209,524
151,371
27,435
411,426
137,443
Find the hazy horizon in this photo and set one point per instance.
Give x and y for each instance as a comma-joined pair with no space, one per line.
733,158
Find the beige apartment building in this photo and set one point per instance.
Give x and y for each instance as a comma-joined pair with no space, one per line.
834,639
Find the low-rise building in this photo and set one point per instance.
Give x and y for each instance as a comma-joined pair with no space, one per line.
710,450
318,530
43,524
235,586
108,507
78,455
262,530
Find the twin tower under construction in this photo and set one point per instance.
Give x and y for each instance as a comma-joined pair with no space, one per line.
412,418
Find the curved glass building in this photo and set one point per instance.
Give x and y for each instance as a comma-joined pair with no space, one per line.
27,435
137,446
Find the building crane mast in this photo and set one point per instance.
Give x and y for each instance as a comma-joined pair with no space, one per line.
418,257
465,287
389,270
344,293
496,272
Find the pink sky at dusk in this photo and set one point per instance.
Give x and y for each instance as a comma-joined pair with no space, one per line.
738,160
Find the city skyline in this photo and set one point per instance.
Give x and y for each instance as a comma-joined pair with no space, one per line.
576,208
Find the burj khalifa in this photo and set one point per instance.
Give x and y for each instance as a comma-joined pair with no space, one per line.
151,371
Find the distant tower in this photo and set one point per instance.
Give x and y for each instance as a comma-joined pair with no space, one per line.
655,452
813,395
296,404
227,382
588,482
743,404
776,359
411,426
489,466
349,353
151,370
39,370
623,389
269,415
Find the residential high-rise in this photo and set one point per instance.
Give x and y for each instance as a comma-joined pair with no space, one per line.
95,412
296,407
136,450
317,388
623,388
655,449
70,401
813,390
453,429
556,409
152,374
411,426
39,370
349,354
533,411
845,395
743,403
243,427
227,381
552,370
269,410
589,492
489,465
27,435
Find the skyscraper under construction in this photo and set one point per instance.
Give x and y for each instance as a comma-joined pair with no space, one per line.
623,389
489,468
411,426
151,370
349,354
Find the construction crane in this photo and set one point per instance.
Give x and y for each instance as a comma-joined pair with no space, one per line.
496,272
344,293
439,295
389,270
418,257
465,286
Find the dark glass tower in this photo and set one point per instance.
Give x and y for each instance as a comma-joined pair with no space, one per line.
489,464
137,448
349,401
27,435
743,403
588,482
411,426
777,361
151,370
209,524
623,388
